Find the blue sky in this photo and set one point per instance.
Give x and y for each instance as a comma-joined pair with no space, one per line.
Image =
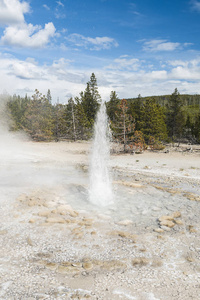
133,47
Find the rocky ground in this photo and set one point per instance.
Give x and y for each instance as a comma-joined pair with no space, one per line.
55,245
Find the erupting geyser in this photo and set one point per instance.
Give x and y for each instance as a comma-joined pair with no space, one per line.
100,190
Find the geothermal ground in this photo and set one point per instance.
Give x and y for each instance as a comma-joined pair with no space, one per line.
56,245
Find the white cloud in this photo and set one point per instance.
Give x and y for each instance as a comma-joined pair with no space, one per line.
17,32
63,78
12,11
25,70
195,5
178,63
133,9
59,15
186,73
125,63
97,43
27,35
59,77
59,10
182,73
192,64
160,45
46,7
157,75
60,3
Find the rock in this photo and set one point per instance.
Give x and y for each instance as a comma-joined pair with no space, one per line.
88,266
129,184
191,229
44,254
174,191
66,209
156,208
143,250
51,266
124,234
49,204
32,203
45,224
31,221
67,269
178,222
55,220
159,230
142,261
164,218
125,222
22,198
104,217
161,237
157,263
36,201
2,232
176,214
192,196
73,214
66,263
85,222
93,233
76,230
68,221
165,228
127,235
189,258
167,223
29,241
44,213
40,296
113,265
63,209
79,235
77,264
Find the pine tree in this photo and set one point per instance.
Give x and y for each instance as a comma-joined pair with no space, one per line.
39,117
189,128
17,107
175,116
83,126
196,129
49,98
59,121
112,106
135,110
152,122
94,88
90,99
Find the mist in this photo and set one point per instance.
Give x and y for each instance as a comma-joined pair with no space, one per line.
23,165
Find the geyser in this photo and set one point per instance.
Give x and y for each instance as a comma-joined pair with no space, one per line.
100,189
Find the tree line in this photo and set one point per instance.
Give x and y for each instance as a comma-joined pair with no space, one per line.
136,122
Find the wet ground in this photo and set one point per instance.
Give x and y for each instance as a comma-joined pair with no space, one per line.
56,245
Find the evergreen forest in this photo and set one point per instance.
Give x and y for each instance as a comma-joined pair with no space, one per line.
136,123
